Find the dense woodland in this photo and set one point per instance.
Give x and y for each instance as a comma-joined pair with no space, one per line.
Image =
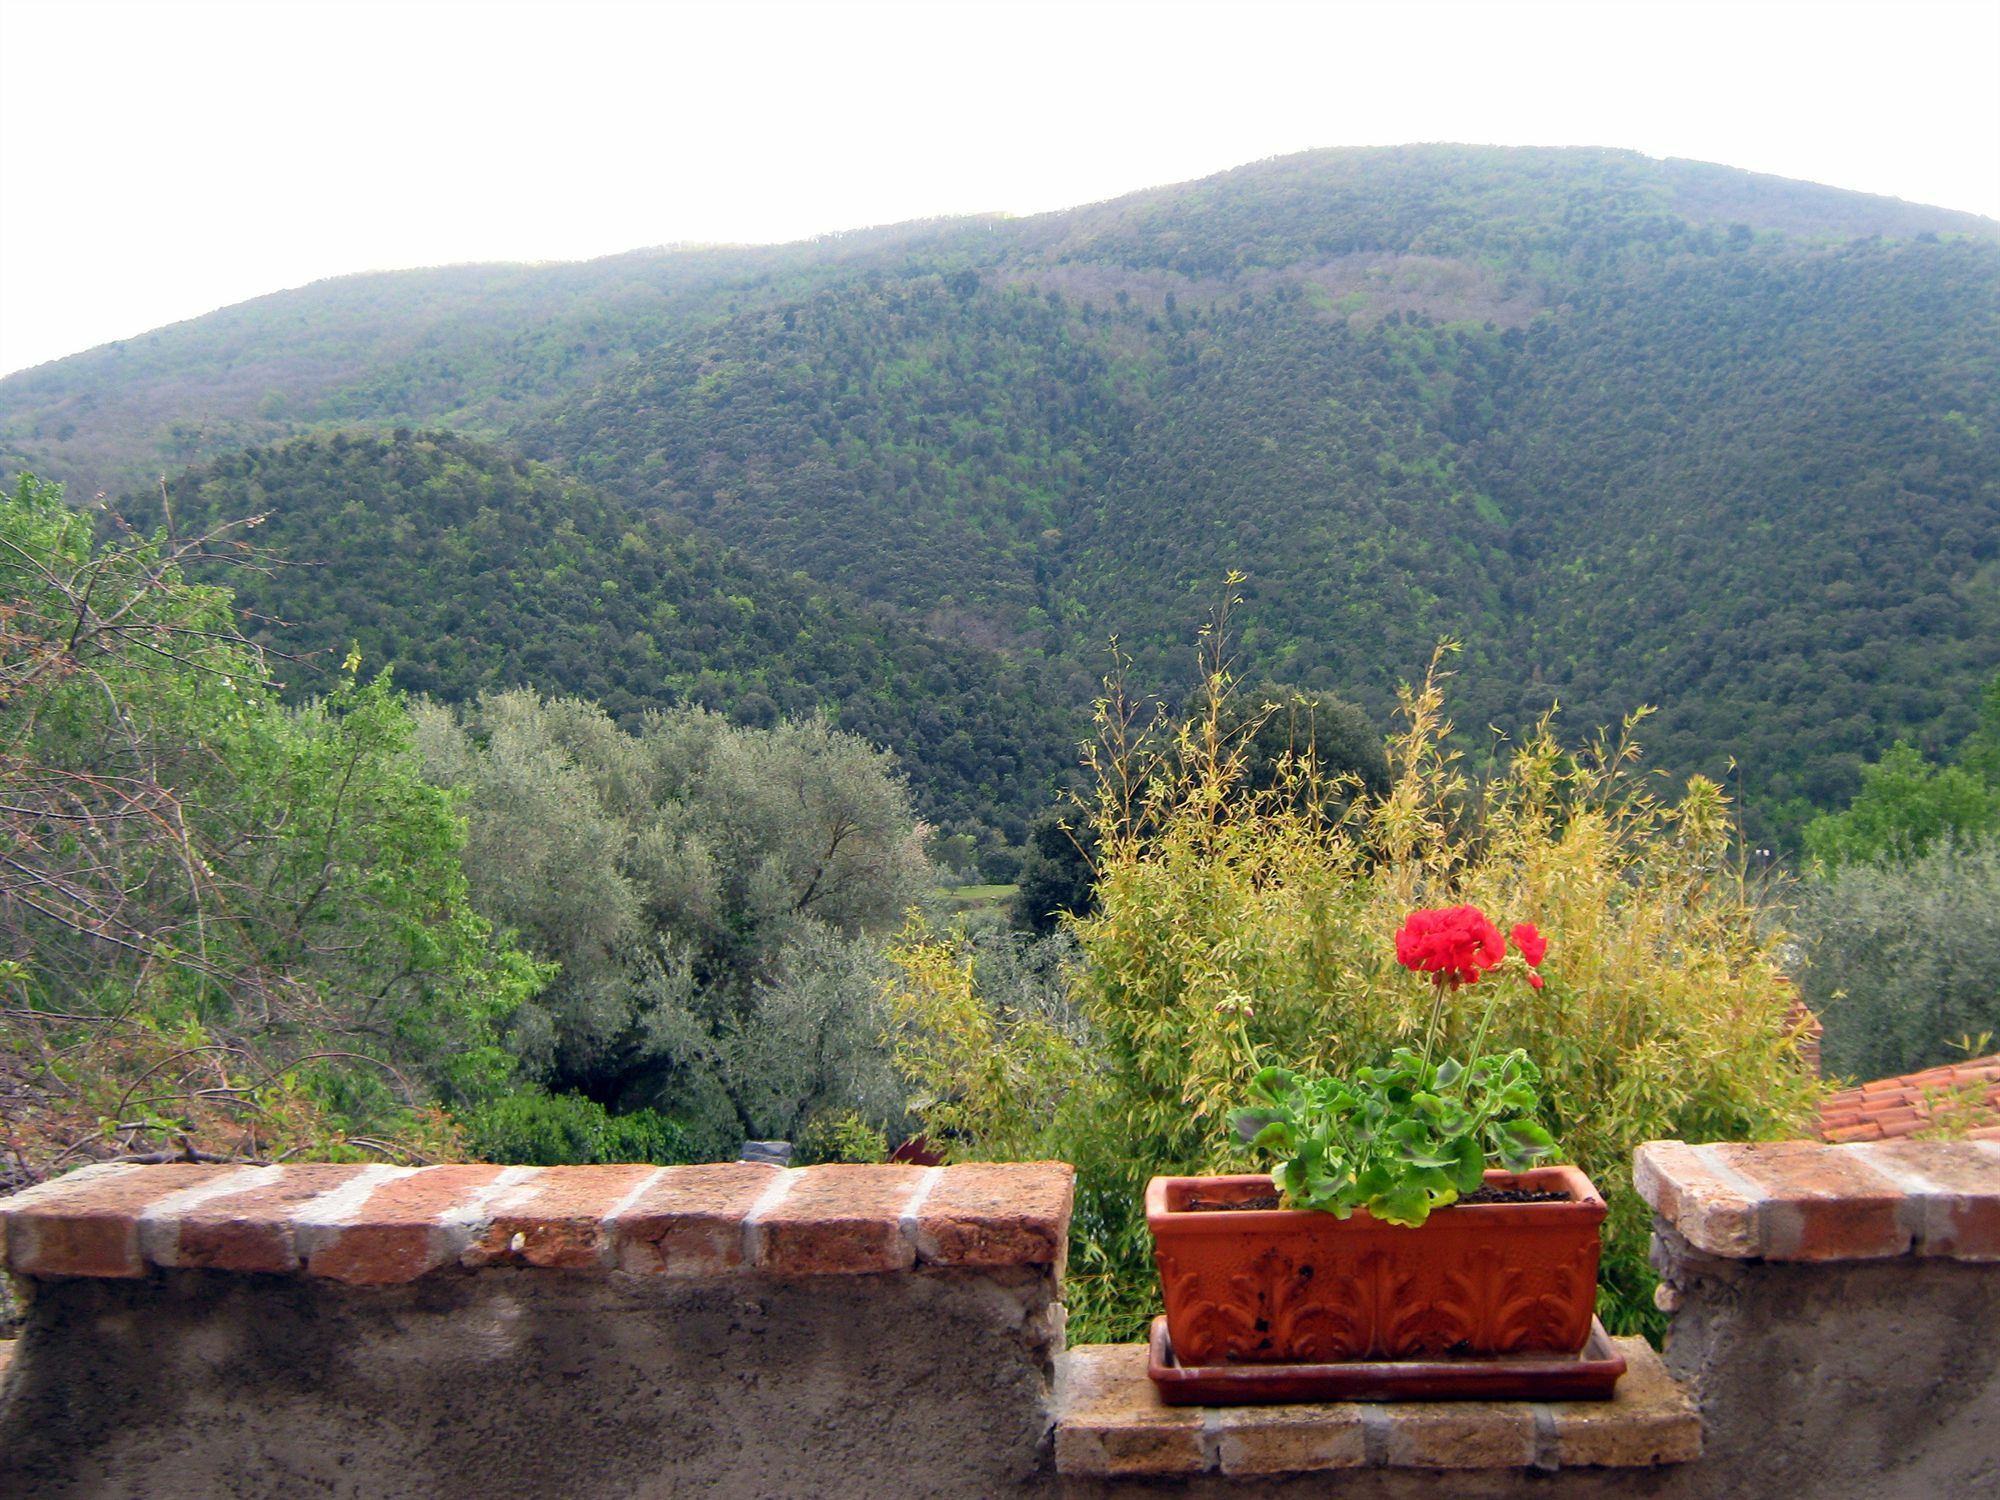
462,570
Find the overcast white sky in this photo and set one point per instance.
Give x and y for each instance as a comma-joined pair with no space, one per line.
161,158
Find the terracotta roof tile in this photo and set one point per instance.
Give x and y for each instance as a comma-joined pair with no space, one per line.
1966,1095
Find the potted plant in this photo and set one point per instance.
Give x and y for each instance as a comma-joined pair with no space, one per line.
1407,1217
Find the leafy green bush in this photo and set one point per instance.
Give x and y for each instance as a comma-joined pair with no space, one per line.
226,926
555,1130
715,897
1905,805
1238,932
1899,957
848,1136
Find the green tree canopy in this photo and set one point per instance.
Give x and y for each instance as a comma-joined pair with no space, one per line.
1899,958
262,906
713,894
1905,805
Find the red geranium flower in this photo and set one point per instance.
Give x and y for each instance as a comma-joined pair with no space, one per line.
1532,945
1453,944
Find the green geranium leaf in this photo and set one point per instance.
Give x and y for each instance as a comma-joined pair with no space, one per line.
1402,1138
1249,1124
1404,1203
1519,1096
1522,1143
1414,1146
1273,1084
1279,1135
1470,1173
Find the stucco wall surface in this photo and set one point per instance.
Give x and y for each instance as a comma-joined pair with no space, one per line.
518,1383
1869,1379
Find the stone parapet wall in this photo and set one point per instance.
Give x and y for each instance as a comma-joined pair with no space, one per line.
1802,1201
887,1331
198,1331
1835,1309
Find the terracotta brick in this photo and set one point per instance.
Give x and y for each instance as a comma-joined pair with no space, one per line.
1904,1106
1712,1210
249,1230
688,1221
1820,1202
1111,1420
1648,1420
1954,1193
839,1220
403,1229
557,1217
87,1224
1457,1434
998,1214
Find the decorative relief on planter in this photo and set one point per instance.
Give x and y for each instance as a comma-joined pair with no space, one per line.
1284,1286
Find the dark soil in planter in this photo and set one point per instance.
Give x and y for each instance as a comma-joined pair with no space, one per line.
1271,1200
1513,1195
1197,1205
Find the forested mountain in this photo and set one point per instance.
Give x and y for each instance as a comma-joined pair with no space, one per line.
1635,431
1752,481
465,571
1450,231
471,347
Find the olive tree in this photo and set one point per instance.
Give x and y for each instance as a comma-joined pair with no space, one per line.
713,894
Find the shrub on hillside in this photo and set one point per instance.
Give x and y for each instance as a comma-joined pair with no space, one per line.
1899,957
554,1130
715,898
228,929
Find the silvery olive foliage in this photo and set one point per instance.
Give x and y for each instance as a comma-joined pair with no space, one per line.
714,895
1898,958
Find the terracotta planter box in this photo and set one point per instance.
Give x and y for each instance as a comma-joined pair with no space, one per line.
1294,1286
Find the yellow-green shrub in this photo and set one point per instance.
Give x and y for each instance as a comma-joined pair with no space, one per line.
1237,930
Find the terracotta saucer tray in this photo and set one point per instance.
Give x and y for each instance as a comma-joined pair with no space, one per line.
1588,1375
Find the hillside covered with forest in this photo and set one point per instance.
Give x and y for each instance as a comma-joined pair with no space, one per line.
1633,431
465,571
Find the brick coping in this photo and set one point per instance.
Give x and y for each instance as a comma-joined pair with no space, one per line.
1111,1423
380,1225
1806,1201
